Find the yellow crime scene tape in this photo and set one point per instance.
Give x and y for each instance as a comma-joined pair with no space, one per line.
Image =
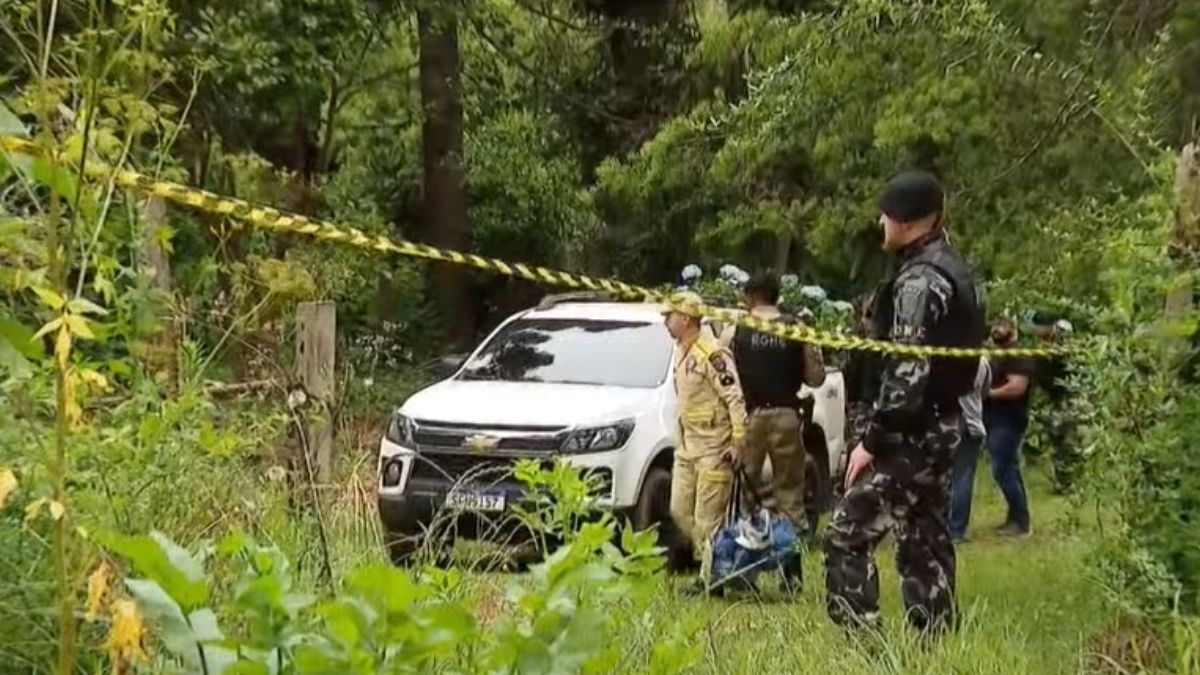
282,221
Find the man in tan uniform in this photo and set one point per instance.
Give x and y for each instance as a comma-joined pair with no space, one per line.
712,428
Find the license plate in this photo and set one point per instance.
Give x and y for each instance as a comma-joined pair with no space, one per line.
467,500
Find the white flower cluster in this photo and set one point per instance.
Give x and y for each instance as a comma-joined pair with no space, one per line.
734,274
809,299
814,293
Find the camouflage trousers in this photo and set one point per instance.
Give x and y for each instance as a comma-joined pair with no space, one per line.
906,494
775,433
1064,455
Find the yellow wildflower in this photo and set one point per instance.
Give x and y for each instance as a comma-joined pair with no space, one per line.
8,485
124,643
98,583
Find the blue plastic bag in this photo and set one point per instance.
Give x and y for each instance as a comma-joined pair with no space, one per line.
750,542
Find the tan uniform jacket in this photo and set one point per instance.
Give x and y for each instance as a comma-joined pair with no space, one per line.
712,413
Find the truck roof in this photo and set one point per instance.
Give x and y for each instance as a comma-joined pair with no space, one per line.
600,311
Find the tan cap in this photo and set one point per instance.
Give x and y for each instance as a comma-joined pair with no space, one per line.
684,302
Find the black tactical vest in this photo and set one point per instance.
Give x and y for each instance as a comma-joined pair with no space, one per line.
770,367
963,326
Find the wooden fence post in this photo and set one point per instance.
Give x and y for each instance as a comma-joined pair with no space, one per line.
163,351
316,343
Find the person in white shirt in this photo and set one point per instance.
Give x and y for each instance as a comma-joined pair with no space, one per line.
962,480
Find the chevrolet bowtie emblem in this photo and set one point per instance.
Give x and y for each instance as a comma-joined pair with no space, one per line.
480,443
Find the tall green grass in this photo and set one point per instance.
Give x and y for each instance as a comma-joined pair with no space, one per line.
1028,606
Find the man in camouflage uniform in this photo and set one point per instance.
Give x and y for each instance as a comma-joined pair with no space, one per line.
712,429
898,477
861,376
1059,416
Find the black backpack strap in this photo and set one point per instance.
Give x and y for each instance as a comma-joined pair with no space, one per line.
733,510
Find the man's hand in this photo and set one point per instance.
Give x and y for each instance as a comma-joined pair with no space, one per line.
735,453
860,461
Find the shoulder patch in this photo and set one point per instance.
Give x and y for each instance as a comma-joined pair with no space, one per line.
717,359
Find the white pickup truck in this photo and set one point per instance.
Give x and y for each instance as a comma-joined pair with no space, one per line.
587,381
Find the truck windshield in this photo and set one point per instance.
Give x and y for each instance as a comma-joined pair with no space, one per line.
575,351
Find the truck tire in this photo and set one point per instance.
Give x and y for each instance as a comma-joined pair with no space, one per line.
654,509
818,484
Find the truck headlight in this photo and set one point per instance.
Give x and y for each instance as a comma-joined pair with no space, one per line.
599,439
400,430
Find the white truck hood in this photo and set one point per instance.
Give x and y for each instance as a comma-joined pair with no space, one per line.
527,403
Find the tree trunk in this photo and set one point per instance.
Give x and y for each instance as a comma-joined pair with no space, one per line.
445,222
162,351
783,251
1185,242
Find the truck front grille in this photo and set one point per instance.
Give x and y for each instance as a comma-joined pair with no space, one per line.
453,468
445,435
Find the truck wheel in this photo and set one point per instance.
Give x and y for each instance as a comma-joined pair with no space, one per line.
818,483
654,509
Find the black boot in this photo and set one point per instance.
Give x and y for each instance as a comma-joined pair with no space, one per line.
791,571
699,589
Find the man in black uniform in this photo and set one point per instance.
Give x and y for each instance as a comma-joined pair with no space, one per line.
772,370
898,477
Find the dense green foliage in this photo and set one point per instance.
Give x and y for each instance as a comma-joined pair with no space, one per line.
621,139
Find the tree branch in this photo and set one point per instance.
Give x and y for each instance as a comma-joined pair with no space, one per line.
521,65
551,17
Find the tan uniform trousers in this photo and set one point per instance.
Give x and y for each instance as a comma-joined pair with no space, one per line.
699,497
775,433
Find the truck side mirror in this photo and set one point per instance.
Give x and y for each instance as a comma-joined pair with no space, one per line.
448,365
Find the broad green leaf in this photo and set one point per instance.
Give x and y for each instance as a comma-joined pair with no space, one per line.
119,368
162,608
34,508
204,625
22,279
219,660
245,667
180,558
21,338
385,585
78,326
13,362
57,177
345,624
84,306
50,297
627,539
10,124
232,544
314,659
175,571
446,625
48,328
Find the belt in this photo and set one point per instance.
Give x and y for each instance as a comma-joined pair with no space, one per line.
755,409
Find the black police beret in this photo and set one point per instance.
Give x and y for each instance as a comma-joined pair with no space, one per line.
911,196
